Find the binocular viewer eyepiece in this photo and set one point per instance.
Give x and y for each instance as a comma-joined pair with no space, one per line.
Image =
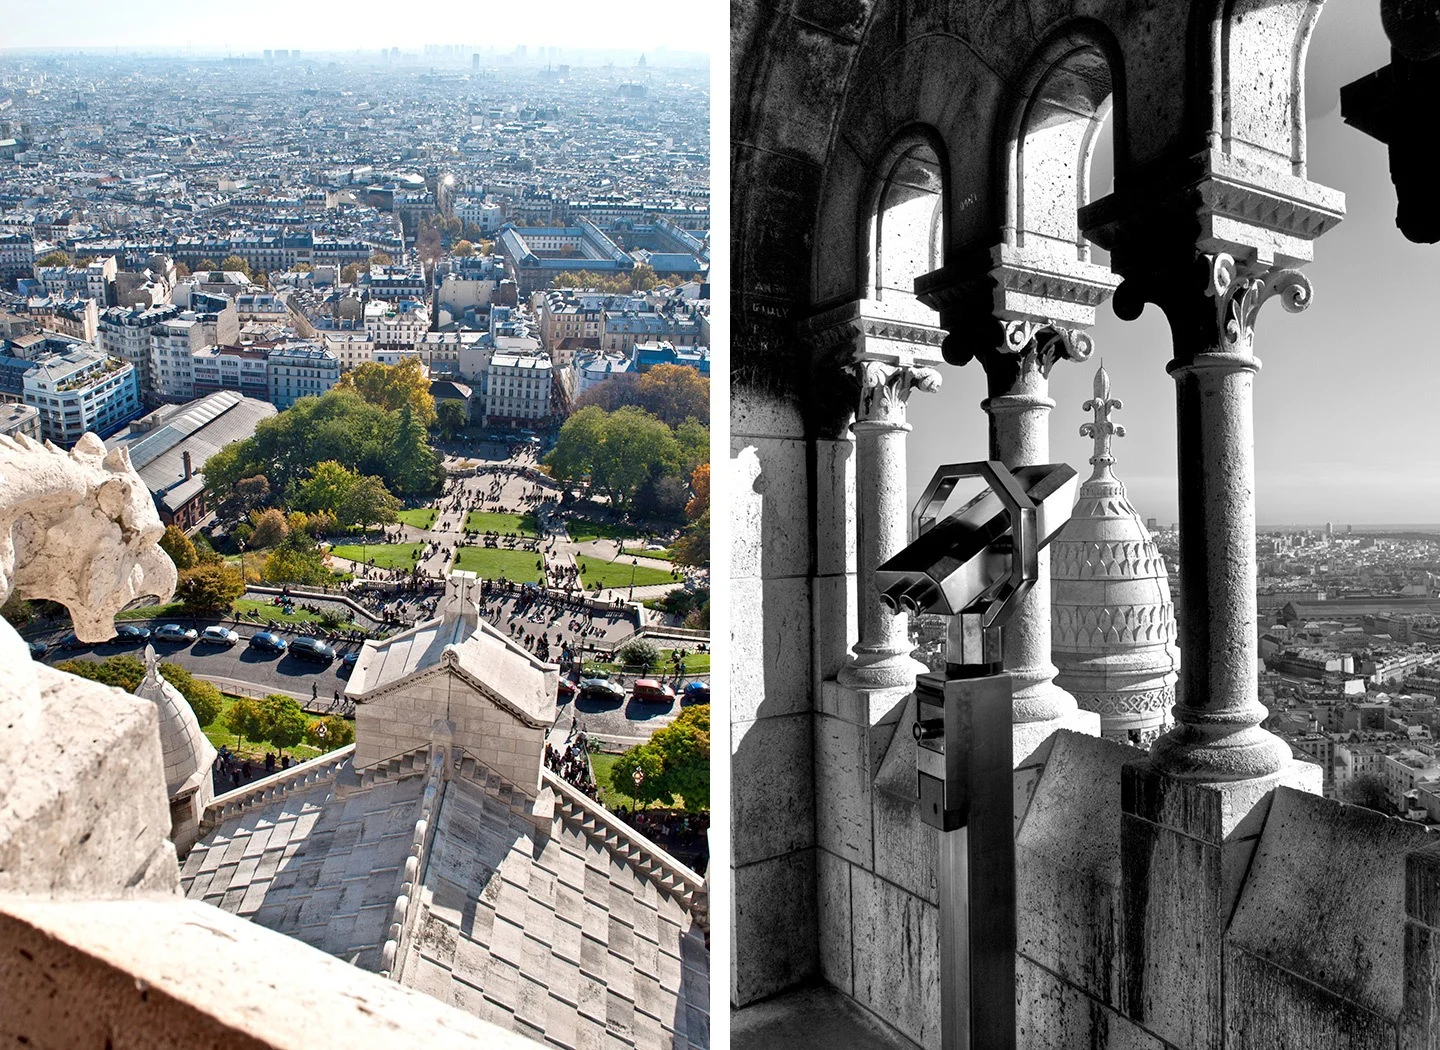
983,557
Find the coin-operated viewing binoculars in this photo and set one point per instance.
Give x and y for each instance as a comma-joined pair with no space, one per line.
975,567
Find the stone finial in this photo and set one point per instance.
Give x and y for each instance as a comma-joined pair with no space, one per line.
1102,429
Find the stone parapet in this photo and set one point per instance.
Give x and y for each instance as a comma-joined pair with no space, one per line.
262,792
171,974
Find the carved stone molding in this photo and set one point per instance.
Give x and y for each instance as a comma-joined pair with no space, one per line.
1238,298
1151,702
884,389
867,329
1039,344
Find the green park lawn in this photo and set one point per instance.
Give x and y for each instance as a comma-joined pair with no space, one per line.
582,529
153,612
611,799
491,521
386,555
421,518
635,552
272,613
617,573
217,734
515,566
695,664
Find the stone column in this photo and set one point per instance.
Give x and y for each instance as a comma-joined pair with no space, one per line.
1217,734
881,658
1018,376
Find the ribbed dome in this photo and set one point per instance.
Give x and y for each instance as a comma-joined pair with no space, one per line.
1112,621
185,748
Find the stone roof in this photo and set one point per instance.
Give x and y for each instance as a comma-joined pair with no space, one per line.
562,935
185,749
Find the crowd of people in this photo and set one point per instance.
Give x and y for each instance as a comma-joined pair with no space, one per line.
572,763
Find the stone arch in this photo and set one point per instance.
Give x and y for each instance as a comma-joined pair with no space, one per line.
903,221
1062,101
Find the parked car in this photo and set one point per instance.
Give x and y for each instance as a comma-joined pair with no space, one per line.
652,691
655,546
565,690
601,689
350,659
307,648
696,692
267,640
173,632
38,648
218,635
129,632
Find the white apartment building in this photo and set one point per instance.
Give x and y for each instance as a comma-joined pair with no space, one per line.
126,334
172,344
240,368
489,217
518,389
300,370
395,328
351,349
17,255
80,390
594,368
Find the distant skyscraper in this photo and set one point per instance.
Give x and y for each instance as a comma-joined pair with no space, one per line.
1329,530
475,62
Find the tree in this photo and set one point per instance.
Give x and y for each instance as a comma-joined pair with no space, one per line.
209,588
330,732
326,488
642,277
123,672
471,232
393,386
297,560
204,698
270,528
181,270
1369,791
700,485
303,268
577,446
245,719
349,274
662,498
176,544
638,652
234,262
253,492
451,417
17,611
675,393
380,259
415,467
463,249
693,547
694,440
206,264
637,446
368,503
675,761
283,722
56,258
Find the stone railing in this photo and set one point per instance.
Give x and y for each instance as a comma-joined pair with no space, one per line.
675,878
286,782
404,912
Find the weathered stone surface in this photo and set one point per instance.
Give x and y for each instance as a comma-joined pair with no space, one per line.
1054,1015
775,680
86,812
774,918
161,974
812,1019
772,787
835,920
843,778
897,957
1270,1005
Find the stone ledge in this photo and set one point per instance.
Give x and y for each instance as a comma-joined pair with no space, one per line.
79,975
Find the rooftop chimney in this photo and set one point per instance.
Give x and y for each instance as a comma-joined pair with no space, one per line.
188,468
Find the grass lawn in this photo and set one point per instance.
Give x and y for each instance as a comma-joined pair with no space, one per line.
582,529
421,518
617,573
630,552
386,555
272,613
695,663
153,612
217,734
515,566
610,798
491,521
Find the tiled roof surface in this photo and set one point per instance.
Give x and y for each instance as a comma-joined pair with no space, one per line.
559,938
323,869
556,937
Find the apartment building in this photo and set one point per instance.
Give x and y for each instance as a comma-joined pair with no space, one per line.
300,370
81,389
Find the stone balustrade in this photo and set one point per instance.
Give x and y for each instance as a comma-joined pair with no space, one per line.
266,790
406,908
670,874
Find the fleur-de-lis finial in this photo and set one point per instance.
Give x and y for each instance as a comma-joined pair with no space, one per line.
1102,429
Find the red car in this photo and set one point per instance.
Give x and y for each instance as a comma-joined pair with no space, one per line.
566,690
651,690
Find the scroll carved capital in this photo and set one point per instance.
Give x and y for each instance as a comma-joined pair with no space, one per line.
884,388
1039,344
1238,298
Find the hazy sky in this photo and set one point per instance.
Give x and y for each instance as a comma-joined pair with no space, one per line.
1345,417
368,25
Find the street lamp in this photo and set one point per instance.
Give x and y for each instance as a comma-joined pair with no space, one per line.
639,777
242,560
634,563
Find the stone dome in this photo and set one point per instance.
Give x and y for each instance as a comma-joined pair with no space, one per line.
185,748
1113,623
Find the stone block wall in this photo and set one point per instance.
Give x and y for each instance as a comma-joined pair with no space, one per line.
773,801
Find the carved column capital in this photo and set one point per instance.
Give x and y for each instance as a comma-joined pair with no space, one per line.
884,389
887,349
